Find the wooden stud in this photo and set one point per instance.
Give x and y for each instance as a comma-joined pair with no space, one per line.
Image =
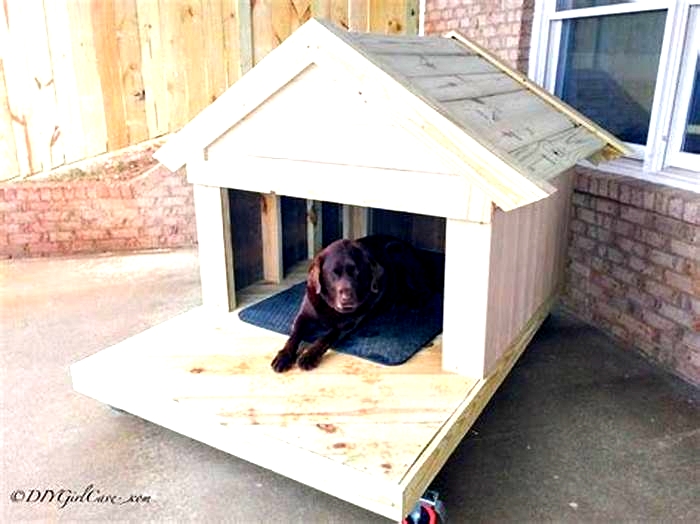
314,227
215,248
467,258
355,221
271,218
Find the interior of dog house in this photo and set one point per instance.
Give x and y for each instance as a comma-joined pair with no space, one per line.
337,134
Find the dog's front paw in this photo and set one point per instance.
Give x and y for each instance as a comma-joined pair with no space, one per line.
309,359
283,361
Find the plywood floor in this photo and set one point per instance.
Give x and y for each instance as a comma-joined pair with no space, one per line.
351,428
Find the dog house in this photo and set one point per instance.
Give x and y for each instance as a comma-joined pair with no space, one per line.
432,126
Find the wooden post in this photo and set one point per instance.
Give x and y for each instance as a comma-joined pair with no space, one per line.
215,247
271,219
355,221
467,260
314,227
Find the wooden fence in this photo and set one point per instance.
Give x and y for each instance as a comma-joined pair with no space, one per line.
79,78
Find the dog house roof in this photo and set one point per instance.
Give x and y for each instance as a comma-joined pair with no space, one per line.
508,136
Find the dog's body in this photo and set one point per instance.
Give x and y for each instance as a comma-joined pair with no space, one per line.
349,280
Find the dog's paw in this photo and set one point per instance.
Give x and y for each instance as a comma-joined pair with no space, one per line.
282,362
309,360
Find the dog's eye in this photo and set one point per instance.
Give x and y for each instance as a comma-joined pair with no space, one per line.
350,270
338,271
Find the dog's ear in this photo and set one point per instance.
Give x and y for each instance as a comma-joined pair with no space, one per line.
314,280
377,272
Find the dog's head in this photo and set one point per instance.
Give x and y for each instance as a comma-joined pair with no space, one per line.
345,275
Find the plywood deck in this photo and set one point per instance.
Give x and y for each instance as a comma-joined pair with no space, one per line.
372,435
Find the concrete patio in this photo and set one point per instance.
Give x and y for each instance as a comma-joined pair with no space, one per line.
581,430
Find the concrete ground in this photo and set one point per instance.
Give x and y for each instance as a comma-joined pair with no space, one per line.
581,430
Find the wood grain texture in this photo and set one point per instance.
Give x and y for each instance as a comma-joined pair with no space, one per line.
614,147
372,435
364,423
272,242
527,260
549,156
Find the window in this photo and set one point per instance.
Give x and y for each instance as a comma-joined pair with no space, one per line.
633,67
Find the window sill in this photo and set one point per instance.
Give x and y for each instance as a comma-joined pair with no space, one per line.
670,176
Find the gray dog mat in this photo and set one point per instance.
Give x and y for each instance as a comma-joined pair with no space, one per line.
390,338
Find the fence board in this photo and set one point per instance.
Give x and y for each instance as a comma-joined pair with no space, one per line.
30,86
131,79
8,153
85,77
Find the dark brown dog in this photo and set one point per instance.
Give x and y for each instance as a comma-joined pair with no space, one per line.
347,281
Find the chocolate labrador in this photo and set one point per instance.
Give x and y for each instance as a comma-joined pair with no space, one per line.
348,281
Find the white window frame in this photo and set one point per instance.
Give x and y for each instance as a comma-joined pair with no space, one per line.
661,159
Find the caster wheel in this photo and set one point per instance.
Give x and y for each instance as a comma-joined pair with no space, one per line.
429,510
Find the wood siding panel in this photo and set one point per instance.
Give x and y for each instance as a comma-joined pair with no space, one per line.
527,263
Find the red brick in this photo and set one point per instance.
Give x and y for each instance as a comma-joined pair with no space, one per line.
23,238
658,321
652,238
625,275
129,232
635,215
112,244
61,236
682,282
632,247
11,206
691,212
83,245
662,291
684,318
691,252
636,327
90,234
640,298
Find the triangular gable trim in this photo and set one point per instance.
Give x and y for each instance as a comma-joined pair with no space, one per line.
238,101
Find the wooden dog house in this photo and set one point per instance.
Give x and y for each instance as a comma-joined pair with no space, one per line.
426,125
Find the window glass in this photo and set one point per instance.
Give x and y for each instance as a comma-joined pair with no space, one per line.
691,137
607,69
580,4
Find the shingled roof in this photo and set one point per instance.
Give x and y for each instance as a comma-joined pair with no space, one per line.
504,133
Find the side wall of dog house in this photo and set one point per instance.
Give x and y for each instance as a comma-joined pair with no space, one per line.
528,257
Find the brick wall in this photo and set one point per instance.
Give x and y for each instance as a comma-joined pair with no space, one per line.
152,210
501,26
634,267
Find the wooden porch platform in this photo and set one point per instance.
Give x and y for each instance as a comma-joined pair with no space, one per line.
372,435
